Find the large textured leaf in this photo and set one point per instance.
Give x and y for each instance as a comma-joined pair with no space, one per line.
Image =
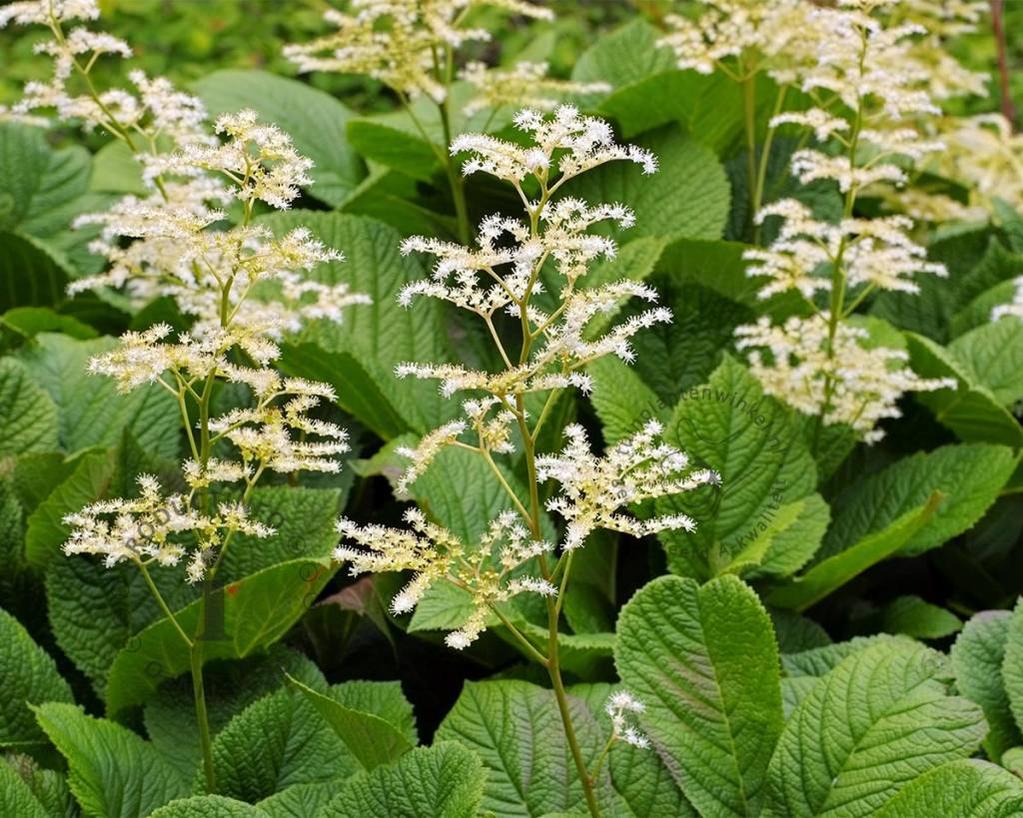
429,782
786,542
688,197
302,800
113,772
91,411
30,274
46,531
756,446
913,616
208,806
881,718
29,677
971,411
277,742
1012,665
624,403
835,571
705,662
372,740
27,414
977,659
643,781
256,611
959,789
993,356
516,730
16,799
315,121
969,475
374,337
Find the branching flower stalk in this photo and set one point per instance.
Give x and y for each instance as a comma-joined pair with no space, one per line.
513,262
171,243
411,47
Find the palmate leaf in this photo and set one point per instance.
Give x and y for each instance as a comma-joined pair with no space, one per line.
881,718
113,772
428,782
705,663
29,676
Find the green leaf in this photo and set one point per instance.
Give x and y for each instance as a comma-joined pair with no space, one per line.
31,274
16,799
623,57
316,122
993,356
819,661
27,414
969,475
978,656
1012,666
116,170
786,542
372,740
46,531
375,337
644,782
393,147
302,800
230,688
91,411
623,402
113,772
428,782
28,322
277,742
912,616
705,663
835,571
971,410
256,611
872,725
208,806
959,789
756,446
516,730
30,676
688,197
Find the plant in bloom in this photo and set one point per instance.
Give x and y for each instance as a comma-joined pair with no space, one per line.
502,274
176,242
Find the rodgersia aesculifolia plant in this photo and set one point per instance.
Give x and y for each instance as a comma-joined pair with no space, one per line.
546,354
240,288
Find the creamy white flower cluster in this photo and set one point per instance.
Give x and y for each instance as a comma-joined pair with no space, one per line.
154,527
839,378
1015,307
875,253
595,490
399,42
524,85
621,707
491,571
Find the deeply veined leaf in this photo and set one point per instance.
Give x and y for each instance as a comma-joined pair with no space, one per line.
316,122
977,659
756,446
877,721
969,475
29,676
918,618
624,403
1012,665
705,663
277,742
687,198
959,789
371,739
971,410
835,571
113,772
27,414
16,799
993,355
250,614
302,800
208,806
428,782
90,410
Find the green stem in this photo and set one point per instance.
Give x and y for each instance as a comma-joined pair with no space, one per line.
199,691
749,106
765,155
455,180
